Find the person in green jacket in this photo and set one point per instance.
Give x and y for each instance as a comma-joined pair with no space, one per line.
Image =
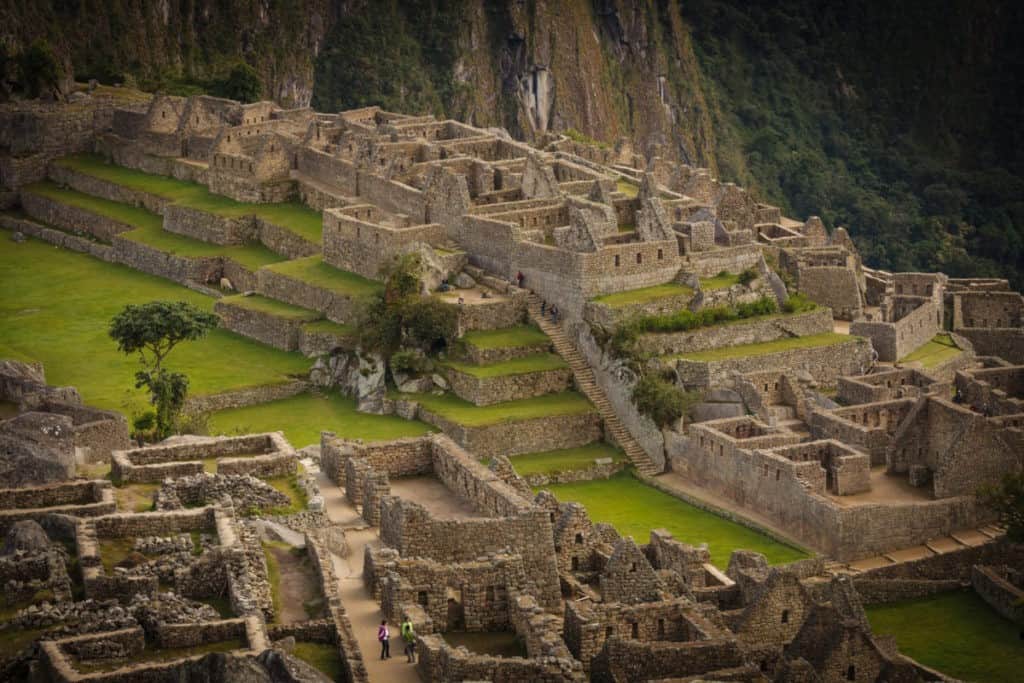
409,636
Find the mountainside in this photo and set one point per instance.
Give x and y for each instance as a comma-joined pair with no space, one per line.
897,120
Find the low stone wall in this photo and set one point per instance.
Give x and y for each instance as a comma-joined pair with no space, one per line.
241,278
590,473
56,237
882,591
106,190
283,241
438,661
267,454
603,315
70,218
272,330
76,498
485,391
262,466
336,307
480,356
150,260
753,331
491,316
209,227
397,458
1005,598
824,363
248,396
522,436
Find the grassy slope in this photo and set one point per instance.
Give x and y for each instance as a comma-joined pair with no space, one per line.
301,418
56,308
508,337
643,295
635,508
314,271
566,459
465,413
788,344
957,633
538,362
298,218
273,307
939,350
719,282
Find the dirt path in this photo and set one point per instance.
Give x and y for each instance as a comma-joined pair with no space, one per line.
363,611
297,585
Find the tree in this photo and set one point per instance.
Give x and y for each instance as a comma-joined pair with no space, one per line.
153,330
242,84
1007,499
39,69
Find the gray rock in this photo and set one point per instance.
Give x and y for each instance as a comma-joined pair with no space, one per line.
334,539
36,448
440,381
464,281
370,386
26,536
284,668
722,395
702,412
18,237
416,385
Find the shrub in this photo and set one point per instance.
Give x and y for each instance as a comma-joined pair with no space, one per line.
747,276
409,362
798,303
661,400
242,84
1007,499
39,69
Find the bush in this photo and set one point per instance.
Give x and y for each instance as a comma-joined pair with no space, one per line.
661,400
798,303
747,276
409,362
243,84
39,69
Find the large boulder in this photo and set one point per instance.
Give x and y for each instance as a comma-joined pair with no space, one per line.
284,668
36,448
25,536
370,386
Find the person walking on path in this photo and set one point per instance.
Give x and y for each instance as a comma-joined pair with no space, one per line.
384,636
409,636
519,279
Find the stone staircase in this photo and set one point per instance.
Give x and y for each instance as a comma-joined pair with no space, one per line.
587,384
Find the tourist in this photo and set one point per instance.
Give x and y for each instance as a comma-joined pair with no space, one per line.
384,636
485,294
519,279
543,307
409,636
554,313
444,285
461,301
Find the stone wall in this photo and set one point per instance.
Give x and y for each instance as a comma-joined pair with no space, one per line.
398,458
70,218
77,498
894,340
337,307
280,240
438,661
97,187
273,330
485,391
180,269
239,398
522,436
992,584
58,237
834,287
730,259
268,452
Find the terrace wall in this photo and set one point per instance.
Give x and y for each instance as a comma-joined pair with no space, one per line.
71,218
339,308
485,391
521,436
754,331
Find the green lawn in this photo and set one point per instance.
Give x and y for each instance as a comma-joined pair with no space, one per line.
956,633
302,417
937,351
262,304
465,413
634,508
56,308
330,327
298,218
787,344
566,459
719,281
323,656
643,295
627,188
508,337
149,228
317,273
538,362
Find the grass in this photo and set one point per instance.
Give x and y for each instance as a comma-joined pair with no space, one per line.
787,344
937,351
627,188
123,213
314,271
644,295
467,414
296,217
634,508
251,256
278,309
57,305
956,633
720,281
289,486
135,497
274,574
508,337
538,362
330,327
324,656
565,460
114,550
302,417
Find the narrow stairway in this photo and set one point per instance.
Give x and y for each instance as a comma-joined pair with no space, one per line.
588,385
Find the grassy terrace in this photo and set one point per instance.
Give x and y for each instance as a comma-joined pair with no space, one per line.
764,348
566,459
956,633
508,337
937,351
643,295
634,508
465,413
314,271
302,417
719,281
538,362
149,228
56,308
329,327
262,304
298,218
627,187
323,656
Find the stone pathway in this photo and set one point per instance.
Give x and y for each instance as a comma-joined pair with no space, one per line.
587,384
362,610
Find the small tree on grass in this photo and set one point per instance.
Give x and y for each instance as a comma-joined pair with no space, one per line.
1007,499
153,330
660,399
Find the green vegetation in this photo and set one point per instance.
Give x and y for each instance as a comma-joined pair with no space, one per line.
662,400
509,337
643,295
279,309
296,217
937,351
124,213
465,413
38,70
324,656
634,508
314,271
330,327
788,344
723,280
242,84
274,573
956,633
538,362
114,551
565,459
55,310
583,138
289,486
302,417
1007,499
627,187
